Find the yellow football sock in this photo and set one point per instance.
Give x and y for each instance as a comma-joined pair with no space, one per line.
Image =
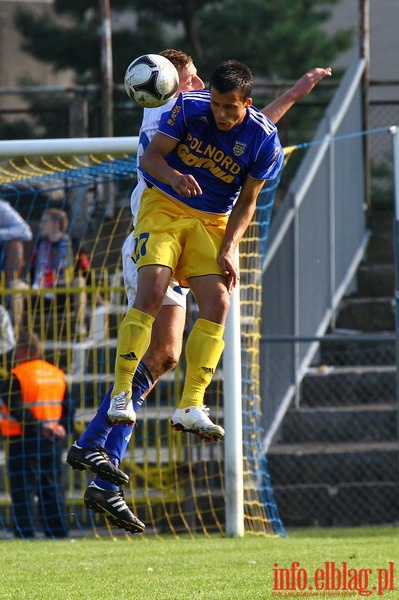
134,337
203,351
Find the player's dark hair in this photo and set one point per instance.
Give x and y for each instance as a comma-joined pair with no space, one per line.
179,59
232,75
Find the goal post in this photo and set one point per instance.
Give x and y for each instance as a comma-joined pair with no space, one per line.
233,455
178,483
68,146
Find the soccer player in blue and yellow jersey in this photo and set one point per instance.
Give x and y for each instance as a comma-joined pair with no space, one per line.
204,170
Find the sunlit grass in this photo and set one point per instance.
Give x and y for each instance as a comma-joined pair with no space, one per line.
166,568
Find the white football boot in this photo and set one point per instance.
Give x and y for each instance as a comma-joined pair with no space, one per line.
194,419
121,409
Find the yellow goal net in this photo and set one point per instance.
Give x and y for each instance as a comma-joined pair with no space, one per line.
177,482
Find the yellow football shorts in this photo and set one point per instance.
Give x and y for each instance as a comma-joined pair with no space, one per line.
171,234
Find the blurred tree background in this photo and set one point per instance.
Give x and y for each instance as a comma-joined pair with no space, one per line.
278,39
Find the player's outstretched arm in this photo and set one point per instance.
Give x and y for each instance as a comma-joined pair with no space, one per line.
300,89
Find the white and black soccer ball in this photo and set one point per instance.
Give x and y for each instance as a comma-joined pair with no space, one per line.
151,80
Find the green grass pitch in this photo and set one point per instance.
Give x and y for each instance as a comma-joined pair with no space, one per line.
360,563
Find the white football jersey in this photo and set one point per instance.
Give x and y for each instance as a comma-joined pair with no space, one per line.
149,127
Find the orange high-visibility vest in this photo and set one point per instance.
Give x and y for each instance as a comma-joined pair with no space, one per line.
42,391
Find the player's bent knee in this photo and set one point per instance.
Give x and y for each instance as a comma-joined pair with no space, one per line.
150,304
221,306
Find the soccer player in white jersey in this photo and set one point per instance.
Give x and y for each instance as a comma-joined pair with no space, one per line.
101,447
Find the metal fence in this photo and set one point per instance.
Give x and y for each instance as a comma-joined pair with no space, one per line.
317,240
328,366
335,460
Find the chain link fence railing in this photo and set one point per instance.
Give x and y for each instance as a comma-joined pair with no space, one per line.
334,458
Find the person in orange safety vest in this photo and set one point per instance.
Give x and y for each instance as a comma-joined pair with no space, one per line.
36,417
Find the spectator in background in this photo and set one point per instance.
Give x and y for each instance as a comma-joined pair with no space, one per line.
36,417
7,340
53,253
53,264
14,231
83,271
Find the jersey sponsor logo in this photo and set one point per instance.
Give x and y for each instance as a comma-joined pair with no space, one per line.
195,153
239,148
173,115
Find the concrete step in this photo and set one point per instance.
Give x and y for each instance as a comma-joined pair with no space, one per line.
376,273
366,314
348,386
340,505
351,348
375,280
334,464
380,248
361,423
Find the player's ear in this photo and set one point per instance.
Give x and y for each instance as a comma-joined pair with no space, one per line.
248,102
